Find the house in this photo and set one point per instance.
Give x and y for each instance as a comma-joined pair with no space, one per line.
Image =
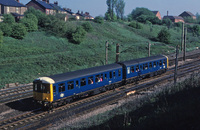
42,5
157,13
12,7
188,14
174,19
88,16
82,15
57,8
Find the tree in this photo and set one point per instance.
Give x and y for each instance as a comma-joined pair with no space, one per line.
99,19
141,11
6,29
29,24
8,18
87,26
1,36
79,35
195,30
164,36
32,17
119,7
56,26
19,31
110,15
167,22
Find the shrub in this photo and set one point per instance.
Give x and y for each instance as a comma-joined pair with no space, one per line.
87,26
19,31
135,25
79,35
179,24
57,27
8,18
6,29
1,36
29,24
32,17
195,30
164,36
167,22
99,19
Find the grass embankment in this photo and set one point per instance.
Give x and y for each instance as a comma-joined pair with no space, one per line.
175,107
41,54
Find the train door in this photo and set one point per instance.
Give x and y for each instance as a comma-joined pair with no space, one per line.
55,93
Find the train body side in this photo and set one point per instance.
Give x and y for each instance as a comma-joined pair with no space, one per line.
76,82
53,88
144,66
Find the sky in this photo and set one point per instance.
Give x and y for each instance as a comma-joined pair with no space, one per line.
99,7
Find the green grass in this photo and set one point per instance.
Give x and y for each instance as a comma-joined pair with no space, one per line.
41,54
174,107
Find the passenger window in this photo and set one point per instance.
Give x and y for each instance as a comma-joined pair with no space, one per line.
146,66
137,68
83,82
154,64
150,65
97,78
132,69
160,63
105,76
110,75
164,62
54,89
113,73
101,78
141,67
70,85
119,73
61,87
90,80
77,83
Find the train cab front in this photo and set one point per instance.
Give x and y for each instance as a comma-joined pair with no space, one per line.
43,91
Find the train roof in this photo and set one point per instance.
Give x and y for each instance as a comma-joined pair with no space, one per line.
143,60
84,72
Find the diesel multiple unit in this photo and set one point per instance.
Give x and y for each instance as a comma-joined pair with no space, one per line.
63,88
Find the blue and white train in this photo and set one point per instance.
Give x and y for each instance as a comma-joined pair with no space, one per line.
63,88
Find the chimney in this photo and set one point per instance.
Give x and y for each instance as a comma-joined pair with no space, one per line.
17,1
47,1
81,12
78,11
167,13
56,2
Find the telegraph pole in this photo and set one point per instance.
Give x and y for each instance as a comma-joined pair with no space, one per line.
149,49
106,56
184,50
117,52
176,65
182,37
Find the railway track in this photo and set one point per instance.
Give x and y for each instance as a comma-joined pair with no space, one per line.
40,119
15,93
21,92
